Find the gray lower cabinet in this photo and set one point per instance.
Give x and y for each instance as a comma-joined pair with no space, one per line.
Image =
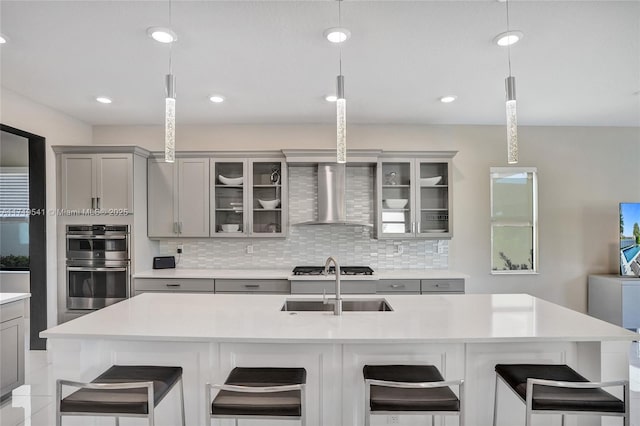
11,346
442,286
329,287
253,286
182,285
398,287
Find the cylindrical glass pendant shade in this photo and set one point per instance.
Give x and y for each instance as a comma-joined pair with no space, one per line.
341,112
341,107
512,121
170,121
170,130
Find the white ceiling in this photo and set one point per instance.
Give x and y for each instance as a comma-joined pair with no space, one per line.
578,64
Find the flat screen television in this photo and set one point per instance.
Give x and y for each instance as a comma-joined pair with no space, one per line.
630,239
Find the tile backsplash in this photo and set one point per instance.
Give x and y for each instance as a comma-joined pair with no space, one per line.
312,244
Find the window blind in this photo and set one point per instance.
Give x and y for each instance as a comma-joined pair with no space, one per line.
14,192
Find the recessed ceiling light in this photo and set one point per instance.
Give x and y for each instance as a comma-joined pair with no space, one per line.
448,99
508,38
331,98
104,100
337,34
3,39
216,99
161,34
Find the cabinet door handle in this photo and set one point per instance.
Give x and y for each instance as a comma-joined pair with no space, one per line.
98,203
173,285
419,228
444,285
252,285
180,227
93,203
398,286
413,227
175,227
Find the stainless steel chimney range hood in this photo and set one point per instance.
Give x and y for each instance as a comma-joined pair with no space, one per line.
332,206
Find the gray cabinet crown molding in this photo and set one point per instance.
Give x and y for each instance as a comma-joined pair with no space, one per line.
222,154
101,149
418,154
329,155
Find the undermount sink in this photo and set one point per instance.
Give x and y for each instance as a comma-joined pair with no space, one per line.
348,305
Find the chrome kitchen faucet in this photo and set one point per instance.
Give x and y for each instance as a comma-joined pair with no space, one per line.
337,307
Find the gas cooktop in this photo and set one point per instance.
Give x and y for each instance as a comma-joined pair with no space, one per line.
344,270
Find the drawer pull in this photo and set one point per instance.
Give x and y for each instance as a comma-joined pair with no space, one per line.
173,285
398,286
252,285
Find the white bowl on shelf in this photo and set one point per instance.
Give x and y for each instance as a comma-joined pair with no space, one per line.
396,203
269,204
230,227
431,181
231,181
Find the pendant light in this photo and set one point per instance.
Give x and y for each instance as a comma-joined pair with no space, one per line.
341,105
170,110
512,119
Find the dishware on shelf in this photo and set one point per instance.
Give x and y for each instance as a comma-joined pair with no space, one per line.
269,204
230,227
430,181
390,178
396,203
438,231
231,181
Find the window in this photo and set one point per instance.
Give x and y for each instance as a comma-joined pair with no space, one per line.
14,218
514,220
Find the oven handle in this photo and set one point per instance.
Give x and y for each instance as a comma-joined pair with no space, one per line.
86,268
96,237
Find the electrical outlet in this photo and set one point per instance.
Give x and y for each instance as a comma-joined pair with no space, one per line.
399,248
393,420
179,250
250,249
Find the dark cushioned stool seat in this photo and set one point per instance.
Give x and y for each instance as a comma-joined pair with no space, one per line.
288,403
123,401
385,398
554,398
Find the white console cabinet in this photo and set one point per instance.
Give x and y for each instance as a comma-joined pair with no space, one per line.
615,299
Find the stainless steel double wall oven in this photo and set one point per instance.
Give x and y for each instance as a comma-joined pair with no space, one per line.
98,264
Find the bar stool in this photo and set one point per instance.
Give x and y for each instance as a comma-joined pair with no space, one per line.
259,393
410,389
121,391
558,389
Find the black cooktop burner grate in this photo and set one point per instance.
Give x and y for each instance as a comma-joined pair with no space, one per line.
345,270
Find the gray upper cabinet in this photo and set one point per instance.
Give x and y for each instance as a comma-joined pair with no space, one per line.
178,196
415,196
248,197
98,181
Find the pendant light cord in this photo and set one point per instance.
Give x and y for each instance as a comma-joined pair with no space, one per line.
340,44
170,44
508,35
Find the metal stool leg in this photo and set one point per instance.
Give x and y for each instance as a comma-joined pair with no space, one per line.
236,422
495,404
182,401
562,423
433,420
117,421
58,400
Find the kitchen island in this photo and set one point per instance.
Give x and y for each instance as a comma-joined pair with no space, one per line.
12,313
463,335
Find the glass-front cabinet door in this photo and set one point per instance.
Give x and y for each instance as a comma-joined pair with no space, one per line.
433,199
268,201
414,196
396,217
249,197
228,198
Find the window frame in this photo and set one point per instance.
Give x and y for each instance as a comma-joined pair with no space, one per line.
496,172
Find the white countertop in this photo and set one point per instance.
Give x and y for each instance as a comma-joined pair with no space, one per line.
471,318
12,297
284,274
